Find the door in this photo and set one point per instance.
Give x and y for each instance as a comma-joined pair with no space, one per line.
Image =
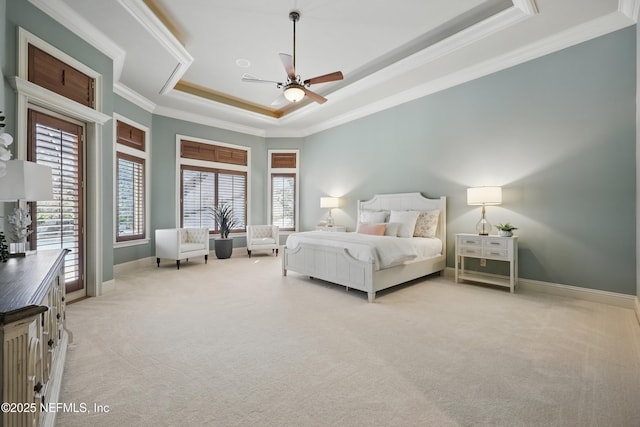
59,224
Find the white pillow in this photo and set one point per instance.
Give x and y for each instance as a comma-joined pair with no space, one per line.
427,224
392,229
407,220
373,217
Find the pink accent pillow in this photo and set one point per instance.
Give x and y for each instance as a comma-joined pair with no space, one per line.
373,229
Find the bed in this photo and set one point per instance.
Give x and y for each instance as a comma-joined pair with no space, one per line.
335,258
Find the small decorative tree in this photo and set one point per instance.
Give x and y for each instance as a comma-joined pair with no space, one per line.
223,216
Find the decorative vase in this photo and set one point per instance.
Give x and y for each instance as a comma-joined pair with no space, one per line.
223,247
505,233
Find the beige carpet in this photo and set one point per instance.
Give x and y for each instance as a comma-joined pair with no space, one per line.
233,343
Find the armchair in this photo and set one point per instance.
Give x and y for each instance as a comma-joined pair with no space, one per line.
263,237
182,243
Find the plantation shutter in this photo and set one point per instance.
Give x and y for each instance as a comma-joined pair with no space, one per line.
232,191
198,194
57,144
130,197
283,190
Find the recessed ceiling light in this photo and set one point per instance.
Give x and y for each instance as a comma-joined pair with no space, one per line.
243,63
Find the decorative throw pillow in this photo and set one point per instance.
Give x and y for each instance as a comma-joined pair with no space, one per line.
392,229
373,217
407,220
373,229
427,224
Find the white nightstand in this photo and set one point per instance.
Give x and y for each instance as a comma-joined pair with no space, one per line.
488,247
334,228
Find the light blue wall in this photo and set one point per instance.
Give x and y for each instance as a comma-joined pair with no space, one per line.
557,133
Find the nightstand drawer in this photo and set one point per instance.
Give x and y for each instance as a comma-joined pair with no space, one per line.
490,243
470,241
466,251
495,253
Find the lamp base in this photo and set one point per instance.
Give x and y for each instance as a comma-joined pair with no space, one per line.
483,227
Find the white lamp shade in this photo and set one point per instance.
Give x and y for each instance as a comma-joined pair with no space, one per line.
26,181
484,196
329,202
294,93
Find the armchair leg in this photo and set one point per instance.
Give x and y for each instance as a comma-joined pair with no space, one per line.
249,252
158,262
276,252
178,264
206,258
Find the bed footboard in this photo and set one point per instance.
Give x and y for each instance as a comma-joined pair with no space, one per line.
331,264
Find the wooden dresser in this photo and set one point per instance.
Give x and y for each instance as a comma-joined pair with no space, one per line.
34,337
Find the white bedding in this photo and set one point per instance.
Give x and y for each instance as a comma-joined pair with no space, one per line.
382,251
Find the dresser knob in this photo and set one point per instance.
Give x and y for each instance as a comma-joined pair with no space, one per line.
50,342
58,316
38,387
62,299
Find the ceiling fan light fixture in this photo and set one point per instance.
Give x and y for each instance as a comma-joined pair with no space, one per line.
294,93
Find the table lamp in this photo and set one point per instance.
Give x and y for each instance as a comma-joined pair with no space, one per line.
484,196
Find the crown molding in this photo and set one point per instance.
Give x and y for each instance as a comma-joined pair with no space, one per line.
175,113
71,20
631,8
156,28
133,97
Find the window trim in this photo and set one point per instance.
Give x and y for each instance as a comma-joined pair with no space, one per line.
284,171
180,161
143,155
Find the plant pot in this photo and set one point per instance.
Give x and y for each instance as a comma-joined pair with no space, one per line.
505,233
223,247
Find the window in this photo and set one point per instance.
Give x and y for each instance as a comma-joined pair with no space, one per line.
130,196
212,175
283,194
131,179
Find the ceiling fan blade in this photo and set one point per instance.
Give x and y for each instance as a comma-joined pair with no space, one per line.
287,61
246,77
325,78
319,99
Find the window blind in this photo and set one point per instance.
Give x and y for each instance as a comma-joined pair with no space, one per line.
59,222
283,190
130,198
203,189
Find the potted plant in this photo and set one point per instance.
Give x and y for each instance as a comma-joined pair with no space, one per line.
223,216
506,229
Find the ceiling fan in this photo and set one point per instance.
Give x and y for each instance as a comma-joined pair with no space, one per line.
295,89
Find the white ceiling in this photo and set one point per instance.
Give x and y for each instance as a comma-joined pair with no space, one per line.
389,52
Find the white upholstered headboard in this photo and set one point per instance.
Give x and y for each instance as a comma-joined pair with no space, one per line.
410,202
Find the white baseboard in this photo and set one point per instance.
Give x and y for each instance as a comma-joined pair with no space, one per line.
637,309
594,295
